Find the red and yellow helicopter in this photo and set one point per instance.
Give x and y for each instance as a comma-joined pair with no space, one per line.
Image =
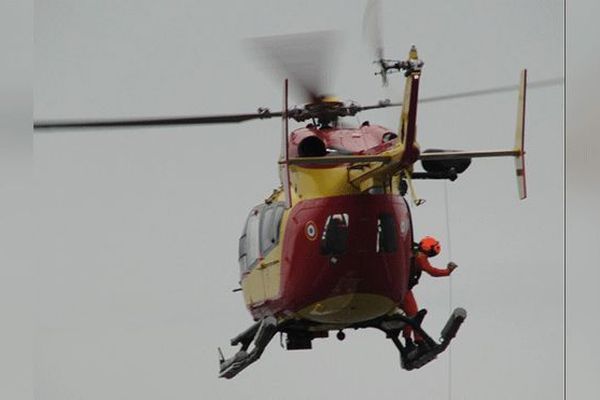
332,248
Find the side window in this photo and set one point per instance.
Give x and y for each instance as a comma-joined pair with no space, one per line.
249,251
269,227
387,236
335,234
260,234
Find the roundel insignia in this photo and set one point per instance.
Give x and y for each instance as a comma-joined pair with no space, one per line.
310,230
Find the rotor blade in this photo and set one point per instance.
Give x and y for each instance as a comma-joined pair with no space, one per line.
303,58
146,122
473,93
236,118
482,92
372,28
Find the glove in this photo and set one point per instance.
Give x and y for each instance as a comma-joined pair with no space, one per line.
452,266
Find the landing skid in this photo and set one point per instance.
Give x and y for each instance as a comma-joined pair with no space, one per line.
300,333
415,357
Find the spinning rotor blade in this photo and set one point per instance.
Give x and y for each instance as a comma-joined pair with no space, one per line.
262,113
473,93
372,28
148,122
302,58
372,34
500,89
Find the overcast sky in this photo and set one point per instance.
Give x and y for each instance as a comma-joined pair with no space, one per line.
137,229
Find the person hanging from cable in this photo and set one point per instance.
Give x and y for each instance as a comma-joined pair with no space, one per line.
426,248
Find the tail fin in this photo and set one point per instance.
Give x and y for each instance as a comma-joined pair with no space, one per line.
520,138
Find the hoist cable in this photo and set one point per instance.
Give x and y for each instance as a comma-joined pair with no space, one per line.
449,246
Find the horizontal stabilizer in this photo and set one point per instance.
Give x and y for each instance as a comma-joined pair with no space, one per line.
518,152
452,155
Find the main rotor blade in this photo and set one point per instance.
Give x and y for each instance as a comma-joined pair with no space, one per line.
236,118
147,122
303,58
372,28
473,93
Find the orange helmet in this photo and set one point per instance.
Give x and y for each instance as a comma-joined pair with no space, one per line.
430,246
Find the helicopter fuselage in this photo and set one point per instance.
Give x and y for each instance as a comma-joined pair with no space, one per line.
339,255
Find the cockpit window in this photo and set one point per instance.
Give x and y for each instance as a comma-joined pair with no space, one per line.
260,235
269,226
249,249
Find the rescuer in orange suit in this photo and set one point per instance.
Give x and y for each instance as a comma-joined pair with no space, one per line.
428,247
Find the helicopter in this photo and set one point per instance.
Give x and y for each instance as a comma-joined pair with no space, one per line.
332,248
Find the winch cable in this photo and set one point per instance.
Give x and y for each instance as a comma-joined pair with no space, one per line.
449,246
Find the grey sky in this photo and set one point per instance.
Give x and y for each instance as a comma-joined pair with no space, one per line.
138,229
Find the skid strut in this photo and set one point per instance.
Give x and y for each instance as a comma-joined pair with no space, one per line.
259,334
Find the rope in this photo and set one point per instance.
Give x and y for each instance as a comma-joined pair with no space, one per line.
449,246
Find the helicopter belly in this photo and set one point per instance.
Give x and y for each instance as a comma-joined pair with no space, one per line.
348,308
358,280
